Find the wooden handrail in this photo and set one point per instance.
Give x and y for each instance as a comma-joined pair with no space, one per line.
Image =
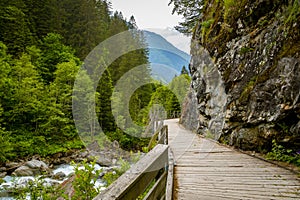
160,137
170,177
157,165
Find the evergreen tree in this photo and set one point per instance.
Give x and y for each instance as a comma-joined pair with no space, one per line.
180,86
25,107
191,12
38,70
14,31
184,71
88,27
5,144
104,111
165,97
59,124
53,52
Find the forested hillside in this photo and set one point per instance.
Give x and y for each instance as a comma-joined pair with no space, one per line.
43,44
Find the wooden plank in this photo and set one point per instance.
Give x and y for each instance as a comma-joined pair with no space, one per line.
207,170
247,192
133,182
158,189
170,178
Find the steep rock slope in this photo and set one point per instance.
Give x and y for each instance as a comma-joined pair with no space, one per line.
245,70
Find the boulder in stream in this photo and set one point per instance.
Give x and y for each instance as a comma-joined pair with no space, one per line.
23,171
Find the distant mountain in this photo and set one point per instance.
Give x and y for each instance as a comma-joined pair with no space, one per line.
179,40
166,60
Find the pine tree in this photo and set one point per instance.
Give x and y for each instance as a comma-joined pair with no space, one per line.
53,52
191,12
180,86
14,31
184,71
59,124
88,27
103,102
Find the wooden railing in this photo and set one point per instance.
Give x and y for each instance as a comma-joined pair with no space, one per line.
159,137
155,168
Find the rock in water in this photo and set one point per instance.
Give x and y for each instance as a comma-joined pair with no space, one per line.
23,171
37,164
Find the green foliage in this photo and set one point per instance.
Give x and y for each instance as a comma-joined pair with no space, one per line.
172,96
83,184
180,86
191,12
110,177
103,107
38,116
85,179
5,146
293,12
53,52
245,50
145,149
184,71
39,41
38,189
127,141
14,28
206,24
165,97
233,10
280,153
139,102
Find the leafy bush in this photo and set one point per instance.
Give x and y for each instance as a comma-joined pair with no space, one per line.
38,189
85,179
83,184
279,153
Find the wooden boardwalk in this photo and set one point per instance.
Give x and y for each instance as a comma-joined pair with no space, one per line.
206,170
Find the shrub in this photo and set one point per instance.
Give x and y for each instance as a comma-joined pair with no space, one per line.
279,153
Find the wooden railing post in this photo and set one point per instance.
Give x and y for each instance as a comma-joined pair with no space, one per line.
170,177
158,165
134,181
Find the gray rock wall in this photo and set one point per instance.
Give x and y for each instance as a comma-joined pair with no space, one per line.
248,91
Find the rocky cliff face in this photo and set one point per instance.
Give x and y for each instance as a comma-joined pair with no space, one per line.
246,72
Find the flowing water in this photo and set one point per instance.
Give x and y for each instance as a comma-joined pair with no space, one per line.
11,182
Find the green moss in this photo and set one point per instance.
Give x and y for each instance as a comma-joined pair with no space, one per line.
233,9
245,50
263,77
293,11
206,24
290,48
263,22
247,90
211,16
227,73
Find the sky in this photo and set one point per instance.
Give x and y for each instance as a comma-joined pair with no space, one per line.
148,13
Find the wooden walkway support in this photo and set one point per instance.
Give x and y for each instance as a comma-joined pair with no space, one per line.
155,167
206,170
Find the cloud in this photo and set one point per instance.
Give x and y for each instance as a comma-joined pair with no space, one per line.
148,13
